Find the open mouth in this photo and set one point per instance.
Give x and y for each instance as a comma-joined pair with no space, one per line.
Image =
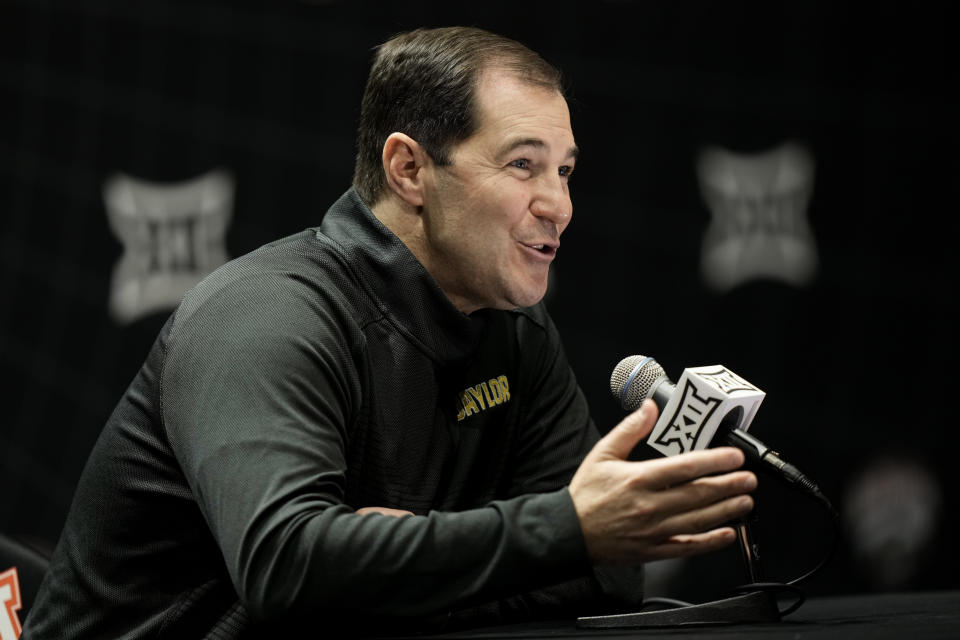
546,250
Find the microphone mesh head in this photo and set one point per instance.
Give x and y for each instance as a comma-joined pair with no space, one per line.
630,397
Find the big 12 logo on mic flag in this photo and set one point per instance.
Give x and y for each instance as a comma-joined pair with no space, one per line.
704,396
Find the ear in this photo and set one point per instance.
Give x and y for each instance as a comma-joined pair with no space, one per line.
404,161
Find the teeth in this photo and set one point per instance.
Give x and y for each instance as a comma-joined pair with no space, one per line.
538,246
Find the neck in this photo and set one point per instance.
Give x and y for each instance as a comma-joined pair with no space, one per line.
406,222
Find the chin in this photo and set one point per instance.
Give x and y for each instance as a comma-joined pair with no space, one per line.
528,298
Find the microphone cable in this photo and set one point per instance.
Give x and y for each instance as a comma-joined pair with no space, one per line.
791,586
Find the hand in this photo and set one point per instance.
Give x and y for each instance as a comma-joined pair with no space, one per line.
396,513
633,512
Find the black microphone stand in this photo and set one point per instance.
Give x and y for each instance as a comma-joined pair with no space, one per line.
754,606
749,551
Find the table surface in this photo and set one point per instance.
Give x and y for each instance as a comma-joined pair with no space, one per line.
913,616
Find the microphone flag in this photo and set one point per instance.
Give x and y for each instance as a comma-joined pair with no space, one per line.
703,398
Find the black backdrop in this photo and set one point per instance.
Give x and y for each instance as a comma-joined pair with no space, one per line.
855,365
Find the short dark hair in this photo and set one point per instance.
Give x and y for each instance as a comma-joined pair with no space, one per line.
423,83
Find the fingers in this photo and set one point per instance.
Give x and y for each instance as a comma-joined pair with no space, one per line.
704,518
704,491
693,532
621,440
661,473
693,544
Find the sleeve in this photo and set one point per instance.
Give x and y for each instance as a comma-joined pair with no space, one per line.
258,389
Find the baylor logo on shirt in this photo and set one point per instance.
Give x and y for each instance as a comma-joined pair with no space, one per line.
481,397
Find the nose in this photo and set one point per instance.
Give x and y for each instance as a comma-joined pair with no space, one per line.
552,200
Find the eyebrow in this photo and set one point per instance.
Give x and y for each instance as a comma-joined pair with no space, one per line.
510,145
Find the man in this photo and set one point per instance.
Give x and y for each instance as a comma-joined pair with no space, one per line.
373,423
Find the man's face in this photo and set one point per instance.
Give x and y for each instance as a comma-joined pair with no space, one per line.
493,218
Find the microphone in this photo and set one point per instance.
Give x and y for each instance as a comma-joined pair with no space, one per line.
711,401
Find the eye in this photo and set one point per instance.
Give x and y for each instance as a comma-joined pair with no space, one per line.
520,163
565,171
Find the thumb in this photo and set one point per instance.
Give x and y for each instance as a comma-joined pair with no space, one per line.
624,437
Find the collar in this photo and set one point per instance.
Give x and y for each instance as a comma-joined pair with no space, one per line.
399,284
